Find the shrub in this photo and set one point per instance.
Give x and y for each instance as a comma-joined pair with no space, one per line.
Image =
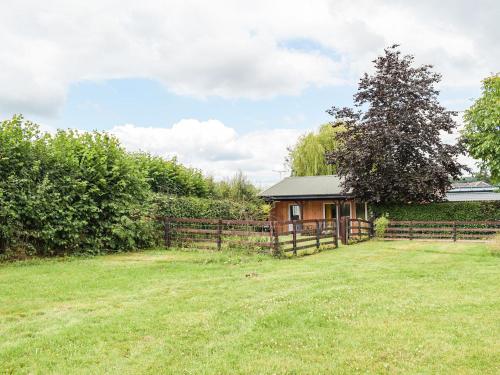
381,225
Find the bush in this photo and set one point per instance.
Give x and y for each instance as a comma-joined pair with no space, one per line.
445,211
381,225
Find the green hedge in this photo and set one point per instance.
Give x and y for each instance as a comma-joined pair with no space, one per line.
206,208
446,211
83,193
68,193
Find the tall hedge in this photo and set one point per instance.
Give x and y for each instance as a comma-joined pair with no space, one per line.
67,193
171,177
83,193
206,208
446,211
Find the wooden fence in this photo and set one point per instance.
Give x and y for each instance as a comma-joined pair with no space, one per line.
355,230
263,236
300,235
442,230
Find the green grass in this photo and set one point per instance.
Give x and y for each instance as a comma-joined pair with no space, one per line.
373,307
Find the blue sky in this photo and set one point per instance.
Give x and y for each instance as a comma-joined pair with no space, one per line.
91,105
225,86
101,105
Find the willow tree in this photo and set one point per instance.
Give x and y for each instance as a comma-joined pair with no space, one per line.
392,149
308,156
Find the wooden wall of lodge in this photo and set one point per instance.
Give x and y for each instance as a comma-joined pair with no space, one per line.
310,209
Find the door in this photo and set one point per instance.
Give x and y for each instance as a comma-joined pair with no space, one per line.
330,214
293,214
345,215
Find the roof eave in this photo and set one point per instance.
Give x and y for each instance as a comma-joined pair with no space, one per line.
306,197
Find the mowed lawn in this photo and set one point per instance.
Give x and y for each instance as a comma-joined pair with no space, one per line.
375,307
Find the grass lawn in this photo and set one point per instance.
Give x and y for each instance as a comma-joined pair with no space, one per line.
374,307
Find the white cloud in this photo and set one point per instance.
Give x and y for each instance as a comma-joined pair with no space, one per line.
231,48
214,147
218,150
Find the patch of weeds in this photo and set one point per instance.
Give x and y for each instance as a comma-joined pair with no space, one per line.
495,246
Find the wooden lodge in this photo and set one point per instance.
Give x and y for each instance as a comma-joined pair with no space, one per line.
312,197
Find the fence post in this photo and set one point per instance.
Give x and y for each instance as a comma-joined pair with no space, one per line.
271,236
166,224
454,231
335,233
294,237
341,230
347,230
318,230
411,230
219,234
276,238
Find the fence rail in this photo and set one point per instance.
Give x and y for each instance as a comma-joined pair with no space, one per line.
265,236
292,236
359,230
442,230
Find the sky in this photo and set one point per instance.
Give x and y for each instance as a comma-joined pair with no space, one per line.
226,85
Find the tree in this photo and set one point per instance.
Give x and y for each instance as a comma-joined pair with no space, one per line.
391,150
237,188
481,134
307,157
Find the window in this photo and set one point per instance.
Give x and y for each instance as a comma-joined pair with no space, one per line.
346,209
294,212
360,210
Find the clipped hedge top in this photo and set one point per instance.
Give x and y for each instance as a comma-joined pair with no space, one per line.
453,211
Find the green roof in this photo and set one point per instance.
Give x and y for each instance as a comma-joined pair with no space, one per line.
306,187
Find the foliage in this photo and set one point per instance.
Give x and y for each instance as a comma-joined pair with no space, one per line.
396,307
445,211
381,223
20,170
238,188
481,175
307,157
481,133
206,208
98,189
170,177
69,193
83,193
392,150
